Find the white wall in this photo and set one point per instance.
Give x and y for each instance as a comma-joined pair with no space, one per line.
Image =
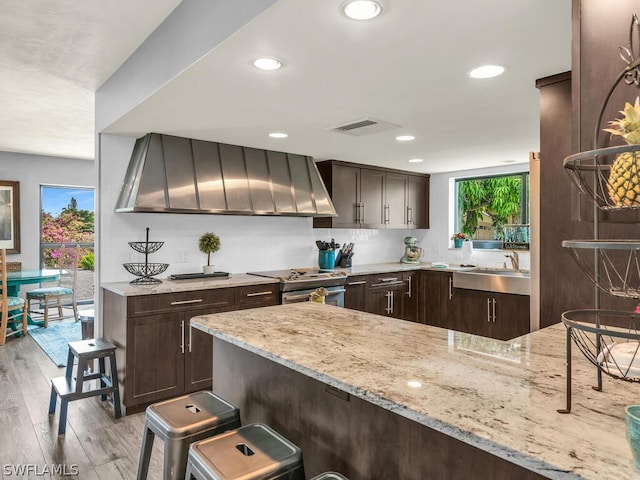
32,171
436,241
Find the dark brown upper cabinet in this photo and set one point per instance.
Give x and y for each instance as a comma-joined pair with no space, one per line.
370,197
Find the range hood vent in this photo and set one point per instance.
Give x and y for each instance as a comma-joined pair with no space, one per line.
169,174
365,126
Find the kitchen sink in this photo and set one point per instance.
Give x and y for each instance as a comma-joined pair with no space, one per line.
501,271
494,280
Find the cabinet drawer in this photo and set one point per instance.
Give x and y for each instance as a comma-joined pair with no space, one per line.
392,278
180,301
257,295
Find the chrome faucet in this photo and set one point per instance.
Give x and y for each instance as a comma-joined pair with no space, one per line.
515,261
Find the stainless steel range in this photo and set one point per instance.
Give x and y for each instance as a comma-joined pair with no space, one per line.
297,284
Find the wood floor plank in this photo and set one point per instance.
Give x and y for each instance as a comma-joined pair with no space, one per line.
65,450
19,444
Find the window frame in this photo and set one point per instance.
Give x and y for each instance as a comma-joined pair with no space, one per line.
525,204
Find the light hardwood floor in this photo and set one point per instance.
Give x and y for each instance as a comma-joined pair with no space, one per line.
96,445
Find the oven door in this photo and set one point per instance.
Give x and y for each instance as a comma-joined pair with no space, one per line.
334,297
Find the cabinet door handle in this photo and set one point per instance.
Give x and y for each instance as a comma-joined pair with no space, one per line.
450,288
361,213
389,279
409,215
388,309
182,337
488,309
190,337
392,302
357,205
409,287
361,282
386,214
258,294
494,310
185,302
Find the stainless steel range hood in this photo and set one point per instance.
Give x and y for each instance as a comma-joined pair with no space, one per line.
169,174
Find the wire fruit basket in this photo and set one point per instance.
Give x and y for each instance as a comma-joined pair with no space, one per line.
609,339
146,271
595,173
616,267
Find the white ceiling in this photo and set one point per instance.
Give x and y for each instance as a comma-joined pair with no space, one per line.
53,57
407,67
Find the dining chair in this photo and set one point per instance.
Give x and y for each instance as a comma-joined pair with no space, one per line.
67,285
14,310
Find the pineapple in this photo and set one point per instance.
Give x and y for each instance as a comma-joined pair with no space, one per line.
624,177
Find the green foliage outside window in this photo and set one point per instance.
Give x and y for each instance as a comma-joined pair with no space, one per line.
498,199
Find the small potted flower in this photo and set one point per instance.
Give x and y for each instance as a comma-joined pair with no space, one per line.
209,243
458,238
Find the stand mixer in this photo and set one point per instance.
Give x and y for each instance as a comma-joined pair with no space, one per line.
412,252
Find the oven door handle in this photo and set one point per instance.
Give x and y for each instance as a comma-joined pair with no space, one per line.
295,297
337,290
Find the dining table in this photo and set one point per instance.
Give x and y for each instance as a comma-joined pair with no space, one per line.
25,277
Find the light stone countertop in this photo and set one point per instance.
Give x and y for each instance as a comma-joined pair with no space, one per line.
240,279
501,397
170,286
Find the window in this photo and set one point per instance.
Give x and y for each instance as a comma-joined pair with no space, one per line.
494,211
67,218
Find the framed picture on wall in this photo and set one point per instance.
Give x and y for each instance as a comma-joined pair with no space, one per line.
10,216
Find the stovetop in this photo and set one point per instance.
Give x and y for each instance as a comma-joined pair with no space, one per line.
300,274
299,278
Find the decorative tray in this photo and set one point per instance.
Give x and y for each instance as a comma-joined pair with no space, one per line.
191,276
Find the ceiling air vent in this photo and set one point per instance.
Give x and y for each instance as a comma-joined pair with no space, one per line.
365,126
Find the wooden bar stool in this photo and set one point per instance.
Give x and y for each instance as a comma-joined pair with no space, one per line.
70,389
179,422
252,452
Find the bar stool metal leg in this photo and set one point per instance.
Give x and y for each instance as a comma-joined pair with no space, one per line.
145,452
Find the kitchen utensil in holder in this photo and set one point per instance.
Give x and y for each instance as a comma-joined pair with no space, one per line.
145,271
609,339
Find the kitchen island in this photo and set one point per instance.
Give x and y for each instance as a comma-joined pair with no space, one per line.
376,397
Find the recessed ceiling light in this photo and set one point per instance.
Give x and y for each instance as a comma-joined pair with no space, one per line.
416,160
362,9
487,71
278,135
414,384
405,138
267,63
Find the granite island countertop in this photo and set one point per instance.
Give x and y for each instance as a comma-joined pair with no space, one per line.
498,396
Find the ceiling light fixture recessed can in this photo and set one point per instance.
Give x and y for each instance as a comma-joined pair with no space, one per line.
416,160
362,9
267,63
405,138
487,71
278,135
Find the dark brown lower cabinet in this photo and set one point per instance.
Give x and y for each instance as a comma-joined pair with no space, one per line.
435,298
385,296
355,296
159,355
496,315
411,299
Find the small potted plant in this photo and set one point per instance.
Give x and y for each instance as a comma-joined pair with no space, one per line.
209,243
458,238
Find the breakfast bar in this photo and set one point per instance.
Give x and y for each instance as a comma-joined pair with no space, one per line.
375,397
